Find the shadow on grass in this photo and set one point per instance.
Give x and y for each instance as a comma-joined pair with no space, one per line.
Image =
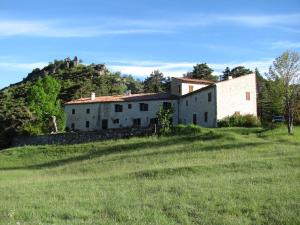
193,150
241,167
120,148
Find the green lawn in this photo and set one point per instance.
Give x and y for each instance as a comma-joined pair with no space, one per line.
218,176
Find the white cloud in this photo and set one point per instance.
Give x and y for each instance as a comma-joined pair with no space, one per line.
60,29
122,26
177,69
285,45
13,66
264,20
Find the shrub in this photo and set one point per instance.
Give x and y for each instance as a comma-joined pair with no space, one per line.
237,120
164,116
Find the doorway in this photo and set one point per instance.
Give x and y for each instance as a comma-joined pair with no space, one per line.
195,119
104,124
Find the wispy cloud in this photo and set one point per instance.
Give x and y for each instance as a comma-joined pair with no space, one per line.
64,30
285,45
121,26
15,66
176,69
264,20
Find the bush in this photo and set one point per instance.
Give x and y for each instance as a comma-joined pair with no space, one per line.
237,120
164,116
186,129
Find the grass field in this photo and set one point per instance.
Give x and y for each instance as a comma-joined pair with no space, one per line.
216,176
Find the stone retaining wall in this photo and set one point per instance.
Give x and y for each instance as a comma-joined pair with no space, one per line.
79,137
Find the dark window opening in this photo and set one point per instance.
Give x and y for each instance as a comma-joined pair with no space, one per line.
87,124
87,111
116,121
118,108
72,126
209,96
143,107
129,106
195,119
167,105
187,103
73,111
153,121
104,124
205,116
136,122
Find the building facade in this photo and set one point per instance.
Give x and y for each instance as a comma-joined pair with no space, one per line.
194,101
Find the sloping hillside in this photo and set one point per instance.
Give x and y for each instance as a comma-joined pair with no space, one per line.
216,176
76,80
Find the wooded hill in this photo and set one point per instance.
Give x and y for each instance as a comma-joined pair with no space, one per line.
76,80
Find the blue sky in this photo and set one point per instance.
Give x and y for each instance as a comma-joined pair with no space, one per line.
138,36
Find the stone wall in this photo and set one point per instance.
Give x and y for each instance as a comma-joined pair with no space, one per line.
79,137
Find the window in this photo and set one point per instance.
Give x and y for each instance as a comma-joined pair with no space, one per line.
196,99
87,124
118,108
167,105
116,121
104,124
143,107
72,126
186,103
129,106
137,122
87,111
153,121
248,96
73,111
194,118
179,89
205,116
191,88
209,96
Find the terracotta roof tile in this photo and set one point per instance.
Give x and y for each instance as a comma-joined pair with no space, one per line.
193,81
124,98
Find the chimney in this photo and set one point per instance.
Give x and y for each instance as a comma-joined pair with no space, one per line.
128,93
229,77
93,96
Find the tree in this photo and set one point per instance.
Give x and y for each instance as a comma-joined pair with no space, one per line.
270,100
204,72
286,71
239,71
164,116
155,82
43,102
226,73
132,84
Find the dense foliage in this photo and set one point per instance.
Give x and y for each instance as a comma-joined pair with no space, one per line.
43,101
237,120
25,106
164,116
279,92
202,71
156,82
235,72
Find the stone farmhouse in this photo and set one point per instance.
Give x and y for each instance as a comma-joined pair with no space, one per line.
194,101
